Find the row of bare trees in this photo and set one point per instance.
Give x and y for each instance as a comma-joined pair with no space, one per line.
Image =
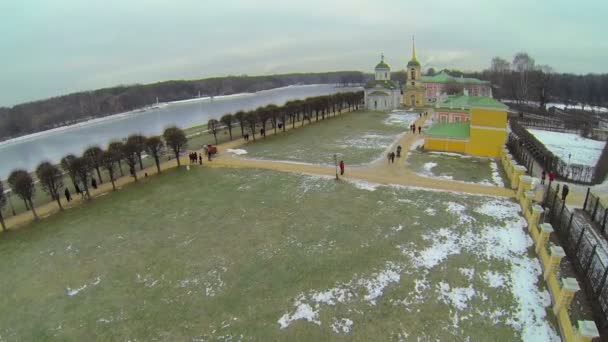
279,116
80,169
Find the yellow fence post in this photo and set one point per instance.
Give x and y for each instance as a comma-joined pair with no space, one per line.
557,253
545,231
587,331
525,184
567,292
518,170
535,216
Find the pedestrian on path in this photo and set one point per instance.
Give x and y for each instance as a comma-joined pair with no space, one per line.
399,151
200,159
341,167
414,128
419,129
565,191
68,196
393,157
543,175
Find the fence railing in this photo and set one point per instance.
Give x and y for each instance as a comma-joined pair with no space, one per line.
596,210
522,144
588,255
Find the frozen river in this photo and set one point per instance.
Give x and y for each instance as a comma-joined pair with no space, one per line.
28,151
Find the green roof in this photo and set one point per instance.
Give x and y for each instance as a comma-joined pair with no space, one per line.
382,65
444,77
468,102
379,93
457,130
413,62
384,84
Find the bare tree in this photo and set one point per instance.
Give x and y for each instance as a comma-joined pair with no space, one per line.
23,185
109,159
240,117
116,148
66,165
523,64
228,119
2,205
176,140
129,151
213,126
499,65
251,118
82,167
51,180
93,153
155,147
138,142
544,84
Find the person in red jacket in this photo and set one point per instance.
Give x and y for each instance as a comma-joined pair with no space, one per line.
341,167
551,177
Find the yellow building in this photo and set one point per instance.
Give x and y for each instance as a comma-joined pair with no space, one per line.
474,125
414,94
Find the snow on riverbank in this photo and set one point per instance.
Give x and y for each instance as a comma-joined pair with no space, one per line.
581,150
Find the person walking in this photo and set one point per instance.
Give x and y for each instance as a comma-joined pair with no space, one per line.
565,191
68,196
419,129
414,128
341,167
200,159
543,175
393,157
399,151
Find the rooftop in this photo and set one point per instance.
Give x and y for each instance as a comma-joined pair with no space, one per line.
457,130
444,77
468,102
382,65
384,84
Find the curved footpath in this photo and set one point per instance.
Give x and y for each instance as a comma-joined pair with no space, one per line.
378,172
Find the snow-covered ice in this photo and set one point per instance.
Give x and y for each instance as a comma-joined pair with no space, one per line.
237,151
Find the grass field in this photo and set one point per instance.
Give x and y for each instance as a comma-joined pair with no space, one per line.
457,167
357,138
216,254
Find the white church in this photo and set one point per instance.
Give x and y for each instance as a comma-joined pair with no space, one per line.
382,93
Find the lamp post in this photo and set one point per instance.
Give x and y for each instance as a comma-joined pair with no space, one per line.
336,163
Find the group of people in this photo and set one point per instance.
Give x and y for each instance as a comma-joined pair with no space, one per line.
194,157
391,155
551,174
413,128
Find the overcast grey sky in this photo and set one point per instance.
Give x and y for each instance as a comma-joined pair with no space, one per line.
51,48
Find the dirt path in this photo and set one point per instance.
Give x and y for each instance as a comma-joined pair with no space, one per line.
378,172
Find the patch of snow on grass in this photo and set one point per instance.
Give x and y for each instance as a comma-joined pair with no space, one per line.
303,311
331,296
430,211
402,119
428,167
530,317
375,286
469,273
494,279
458,210
343,325
457,296
72,292
496,178
444,245
236,151
499,209
364,185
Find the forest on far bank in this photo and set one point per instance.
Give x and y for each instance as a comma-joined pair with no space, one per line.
68,109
